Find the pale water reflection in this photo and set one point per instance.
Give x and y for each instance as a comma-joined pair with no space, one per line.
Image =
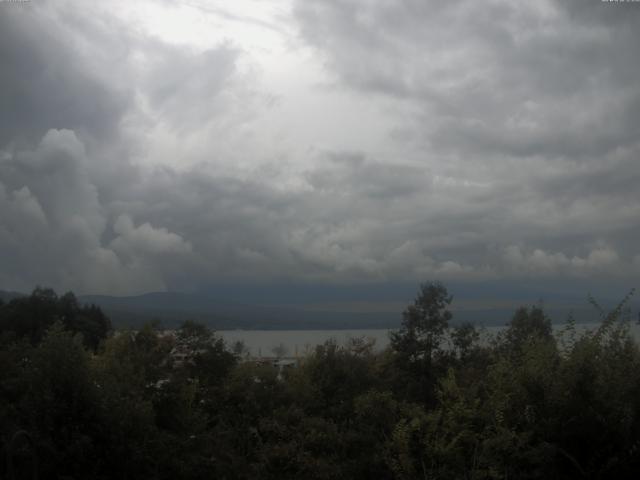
298,342
292,343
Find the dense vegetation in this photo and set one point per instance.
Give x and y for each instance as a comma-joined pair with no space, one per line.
77,401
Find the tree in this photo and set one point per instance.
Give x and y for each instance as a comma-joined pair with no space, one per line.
416,344
337,375
62,405
526,326
423,324
206,355
464,338
30,317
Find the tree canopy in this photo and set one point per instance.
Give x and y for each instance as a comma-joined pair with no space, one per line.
443,401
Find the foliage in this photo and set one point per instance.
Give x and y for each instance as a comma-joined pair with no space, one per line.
418,344
423,324
439,403
30,317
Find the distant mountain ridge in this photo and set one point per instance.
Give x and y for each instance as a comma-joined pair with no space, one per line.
171,308
301,308
7,296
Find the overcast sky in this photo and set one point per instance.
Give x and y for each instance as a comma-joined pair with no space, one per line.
174,145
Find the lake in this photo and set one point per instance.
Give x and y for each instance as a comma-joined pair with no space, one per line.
299,342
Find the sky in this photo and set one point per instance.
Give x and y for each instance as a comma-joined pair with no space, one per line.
166,145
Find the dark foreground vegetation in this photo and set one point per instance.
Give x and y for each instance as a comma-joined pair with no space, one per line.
78,402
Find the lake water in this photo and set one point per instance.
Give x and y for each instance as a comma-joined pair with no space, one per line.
299,342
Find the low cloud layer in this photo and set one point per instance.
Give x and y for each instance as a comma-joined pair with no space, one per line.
500,141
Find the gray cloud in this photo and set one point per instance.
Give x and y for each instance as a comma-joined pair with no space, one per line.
353,174
184,88
536,102
124,164
489,77
45,84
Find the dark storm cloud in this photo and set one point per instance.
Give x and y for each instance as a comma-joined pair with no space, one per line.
44,83
71,117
